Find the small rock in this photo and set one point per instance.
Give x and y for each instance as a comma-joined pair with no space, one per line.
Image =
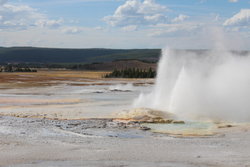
98,92
31,121
132,122
118,90
74,124
144,128
225,126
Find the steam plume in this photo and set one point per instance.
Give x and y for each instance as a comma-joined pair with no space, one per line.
211,84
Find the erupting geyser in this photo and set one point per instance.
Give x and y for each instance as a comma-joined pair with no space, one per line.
210,84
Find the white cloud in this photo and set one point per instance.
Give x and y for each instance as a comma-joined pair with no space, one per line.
18,17
163,30
136,12
233,1
180,18
130,28
23,17
49,23
72,30
240,19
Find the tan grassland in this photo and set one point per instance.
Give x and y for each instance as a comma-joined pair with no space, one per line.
44,77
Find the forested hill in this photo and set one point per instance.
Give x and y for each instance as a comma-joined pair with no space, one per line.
53,55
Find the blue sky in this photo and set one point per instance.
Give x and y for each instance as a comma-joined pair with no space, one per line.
125,23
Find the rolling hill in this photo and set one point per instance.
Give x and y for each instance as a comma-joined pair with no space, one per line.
55,55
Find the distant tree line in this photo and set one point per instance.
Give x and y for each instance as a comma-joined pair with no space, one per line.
40,65
132,73
70,66
64,55
15,68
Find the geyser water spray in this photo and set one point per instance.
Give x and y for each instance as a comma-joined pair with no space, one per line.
210,84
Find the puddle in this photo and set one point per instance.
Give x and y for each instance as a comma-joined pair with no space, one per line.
187,129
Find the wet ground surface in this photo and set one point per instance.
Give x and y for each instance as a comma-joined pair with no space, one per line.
106,142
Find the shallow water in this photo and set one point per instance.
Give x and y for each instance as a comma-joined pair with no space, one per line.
73,101
187,129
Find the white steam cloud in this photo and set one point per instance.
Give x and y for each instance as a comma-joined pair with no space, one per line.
212,84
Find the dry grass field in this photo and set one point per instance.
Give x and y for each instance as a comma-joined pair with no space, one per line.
55,77
46,78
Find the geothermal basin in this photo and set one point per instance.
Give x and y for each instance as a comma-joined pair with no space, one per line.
69,95
73,118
